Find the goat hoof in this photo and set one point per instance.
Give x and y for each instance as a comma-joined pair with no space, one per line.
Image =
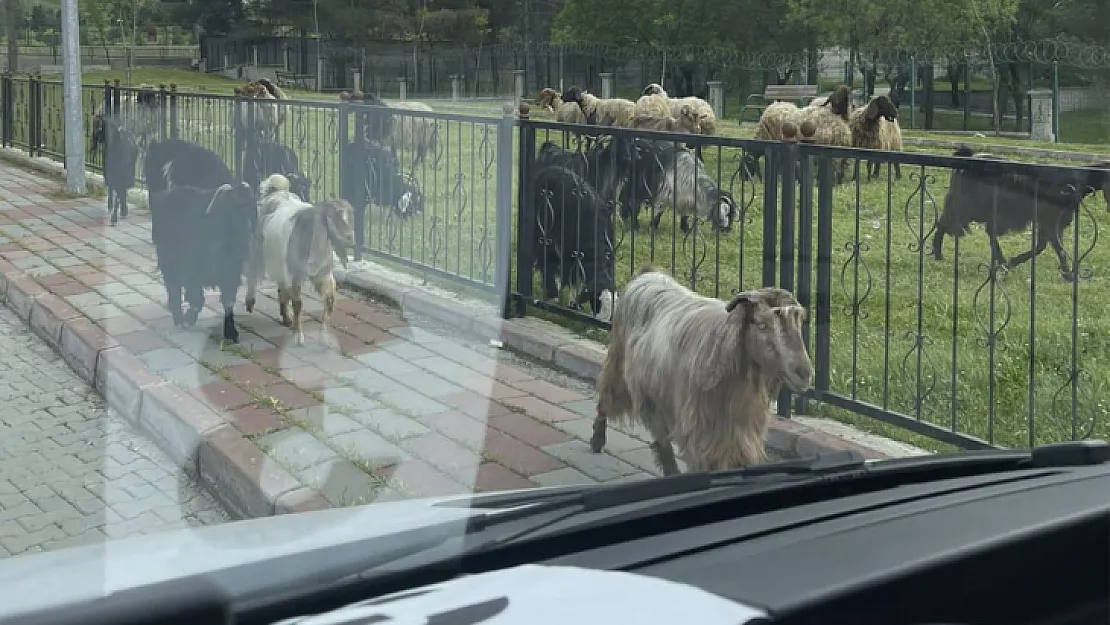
298,340
597,443
250,305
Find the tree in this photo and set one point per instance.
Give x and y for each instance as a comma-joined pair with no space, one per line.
13,17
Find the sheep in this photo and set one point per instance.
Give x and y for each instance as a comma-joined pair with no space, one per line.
202,237
686,122
874,127
602,111
268,117
297,242
121,153
651,103
578,226
547,99
1007,203
412,132
263,158
373,176
665,175
698,372
824,112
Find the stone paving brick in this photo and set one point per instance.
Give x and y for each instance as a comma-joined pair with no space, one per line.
566,476
75,474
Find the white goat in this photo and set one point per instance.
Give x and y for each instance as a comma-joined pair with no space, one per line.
698,372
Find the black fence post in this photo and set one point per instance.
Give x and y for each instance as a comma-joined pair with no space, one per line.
824,272
804,290
770,213
175,121
526,217
788,209
237,135
504,220
6,107
163,110
343,123
34,116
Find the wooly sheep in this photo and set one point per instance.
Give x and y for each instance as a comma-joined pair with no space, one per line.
579,227
547,99
407,130
202,237
699,373
121,153
875,127
822,111
268,117
667,175
654,100
297,243
1005,203
686,122
602,111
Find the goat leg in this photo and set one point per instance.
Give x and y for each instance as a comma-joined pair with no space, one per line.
194,294
938,241
897,170
997,257
283,306
684,224
664,455
122,199
298,331
113,213
1039,246
227,298
326,288
1066,272
597,441
173,298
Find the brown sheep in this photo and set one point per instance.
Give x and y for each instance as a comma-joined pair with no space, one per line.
875,127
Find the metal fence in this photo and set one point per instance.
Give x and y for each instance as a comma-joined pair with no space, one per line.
954,349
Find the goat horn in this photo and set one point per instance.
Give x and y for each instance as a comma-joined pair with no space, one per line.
221,189
739,298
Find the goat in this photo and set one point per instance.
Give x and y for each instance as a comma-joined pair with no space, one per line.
1006,203
297,242
410,131
268,117
665,175
173,162
263,158
202,237
605,167
121,153
373,176
699,373
137,112
578,225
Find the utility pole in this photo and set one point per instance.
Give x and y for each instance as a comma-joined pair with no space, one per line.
71,87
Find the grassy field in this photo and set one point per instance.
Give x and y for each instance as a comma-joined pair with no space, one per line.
877,264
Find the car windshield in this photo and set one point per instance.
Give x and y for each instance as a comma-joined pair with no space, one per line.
353,266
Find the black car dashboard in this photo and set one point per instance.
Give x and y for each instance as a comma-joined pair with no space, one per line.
1024,546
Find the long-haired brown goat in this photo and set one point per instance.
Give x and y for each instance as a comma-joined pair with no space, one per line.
699,372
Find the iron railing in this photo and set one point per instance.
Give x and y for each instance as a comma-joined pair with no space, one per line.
957,350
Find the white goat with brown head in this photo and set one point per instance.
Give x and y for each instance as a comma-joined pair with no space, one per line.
698,372
295,244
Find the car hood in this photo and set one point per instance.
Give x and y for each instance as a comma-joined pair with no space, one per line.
57,578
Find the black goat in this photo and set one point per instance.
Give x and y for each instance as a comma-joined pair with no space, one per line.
263,158
173,162
121,153
605,166
373,177
664,174
203,238
578,225
1005,203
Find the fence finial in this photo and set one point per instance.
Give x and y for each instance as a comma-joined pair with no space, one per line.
524,109
344,96
809,130
789,131
173,86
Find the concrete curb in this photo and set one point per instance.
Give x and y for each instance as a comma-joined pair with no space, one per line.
557,347
198,439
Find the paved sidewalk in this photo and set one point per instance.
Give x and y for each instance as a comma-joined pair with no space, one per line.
71,472
397,409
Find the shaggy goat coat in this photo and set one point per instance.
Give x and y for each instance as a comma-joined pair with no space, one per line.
697,372
874,126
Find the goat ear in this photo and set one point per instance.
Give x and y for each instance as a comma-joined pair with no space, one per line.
873,109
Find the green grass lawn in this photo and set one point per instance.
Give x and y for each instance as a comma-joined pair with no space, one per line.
877,262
